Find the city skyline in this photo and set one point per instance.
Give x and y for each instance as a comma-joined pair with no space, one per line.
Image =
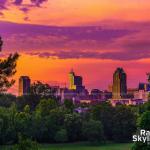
93,37
119,86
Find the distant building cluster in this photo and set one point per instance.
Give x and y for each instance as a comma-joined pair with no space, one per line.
117,94
122,95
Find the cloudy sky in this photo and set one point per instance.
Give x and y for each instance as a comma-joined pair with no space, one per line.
91,36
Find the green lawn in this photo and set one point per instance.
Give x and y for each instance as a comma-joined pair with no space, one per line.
83,146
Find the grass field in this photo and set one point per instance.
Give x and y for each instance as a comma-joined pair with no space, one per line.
83,146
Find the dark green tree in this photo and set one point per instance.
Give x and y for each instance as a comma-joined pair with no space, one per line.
104,113
24,122
69,105
123,124
143,123
61,136
73,125
7,70
42,90
6,100
93,131
45,106
25,144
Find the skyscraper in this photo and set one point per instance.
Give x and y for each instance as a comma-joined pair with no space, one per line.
24,85
75,82
119,84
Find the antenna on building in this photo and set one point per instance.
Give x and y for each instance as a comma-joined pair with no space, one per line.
148,76
1,43
71,71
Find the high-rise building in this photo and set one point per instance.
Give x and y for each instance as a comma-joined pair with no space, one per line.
24,85
119,84
75,82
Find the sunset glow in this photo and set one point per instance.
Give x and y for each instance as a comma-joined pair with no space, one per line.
91,36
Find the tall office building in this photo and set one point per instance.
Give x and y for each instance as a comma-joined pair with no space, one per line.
24,85
119,84
75,82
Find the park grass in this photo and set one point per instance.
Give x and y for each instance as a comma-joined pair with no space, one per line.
82,146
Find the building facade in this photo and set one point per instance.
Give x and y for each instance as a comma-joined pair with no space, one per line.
119,88
24,85
75,82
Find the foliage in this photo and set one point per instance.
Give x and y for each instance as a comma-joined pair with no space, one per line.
69,105
104,113
7,70
6,100
25,144
144,121
45,106
93,131
124,124
31,100
140,146
119,122
52,122
42,90
73,125
145,107
61,136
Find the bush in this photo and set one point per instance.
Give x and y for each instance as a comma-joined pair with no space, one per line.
61,136
140,146
25,144
92,131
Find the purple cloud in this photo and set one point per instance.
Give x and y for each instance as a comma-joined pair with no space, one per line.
26,19
3,4
38,2
118,43
6,4
18,2
1,14
25,9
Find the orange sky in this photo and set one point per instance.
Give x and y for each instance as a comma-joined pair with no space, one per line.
79,12
96,73
102,49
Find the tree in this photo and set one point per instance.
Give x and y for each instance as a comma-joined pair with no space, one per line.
73,125
69,105
145,107
92,131
6,100
61,136
42,90
31,100
123,124
7,125
45,106
140,146
104,113
7,70
25,144
143,123
24,122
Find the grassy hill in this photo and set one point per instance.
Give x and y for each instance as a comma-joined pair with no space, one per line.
82,146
